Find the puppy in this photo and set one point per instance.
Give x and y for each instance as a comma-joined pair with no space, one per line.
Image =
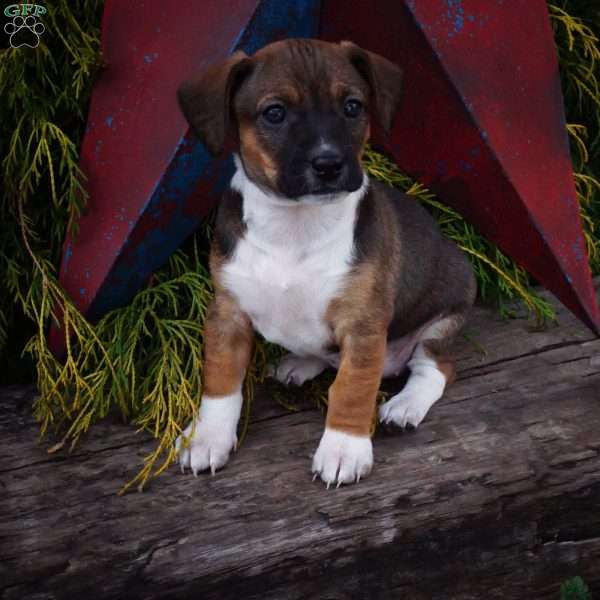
339,270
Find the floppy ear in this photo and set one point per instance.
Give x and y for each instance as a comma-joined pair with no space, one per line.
206,100
383,77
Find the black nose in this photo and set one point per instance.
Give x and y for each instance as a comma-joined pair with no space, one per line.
327,166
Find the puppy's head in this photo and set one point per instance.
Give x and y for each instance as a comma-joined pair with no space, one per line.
297,112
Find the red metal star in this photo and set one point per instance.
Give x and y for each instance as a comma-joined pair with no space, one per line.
481,124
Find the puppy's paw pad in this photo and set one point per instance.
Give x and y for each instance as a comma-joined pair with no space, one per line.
204,447
298,369
342,457
404,410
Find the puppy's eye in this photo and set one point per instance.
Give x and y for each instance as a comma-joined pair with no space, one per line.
352,108
274,113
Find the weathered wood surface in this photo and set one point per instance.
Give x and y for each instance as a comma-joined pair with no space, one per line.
497,495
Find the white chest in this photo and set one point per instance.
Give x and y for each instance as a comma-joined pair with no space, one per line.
285,295
289,265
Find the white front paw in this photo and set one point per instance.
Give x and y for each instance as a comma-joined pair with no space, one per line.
342,457
298,369
208,440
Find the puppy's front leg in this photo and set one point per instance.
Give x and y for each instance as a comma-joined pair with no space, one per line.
208,440
345,453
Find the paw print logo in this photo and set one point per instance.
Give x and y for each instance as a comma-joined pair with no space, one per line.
24,31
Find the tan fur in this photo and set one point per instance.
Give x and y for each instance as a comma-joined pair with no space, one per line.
353,393
257,161
360,303
340,90
439,349
228,340
289,93
448,369
444,363
359,318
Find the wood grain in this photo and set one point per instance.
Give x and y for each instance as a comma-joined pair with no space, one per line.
496,495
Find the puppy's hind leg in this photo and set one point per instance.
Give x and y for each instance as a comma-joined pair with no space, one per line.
296,370
430,372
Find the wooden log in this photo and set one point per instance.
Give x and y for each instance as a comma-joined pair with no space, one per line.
496,495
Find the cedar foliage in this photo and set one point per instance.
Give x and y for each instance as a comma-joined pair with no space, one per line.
574,589
144,360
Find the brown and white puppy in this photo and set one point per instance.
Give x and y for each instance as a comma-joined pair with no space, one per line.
340,270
